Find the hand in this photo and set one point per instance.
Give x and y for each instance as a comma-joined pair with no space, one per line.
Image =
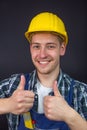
22,100
55,107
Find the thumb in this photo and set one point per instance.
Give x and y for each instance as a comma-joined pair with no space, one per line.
55,89
22,83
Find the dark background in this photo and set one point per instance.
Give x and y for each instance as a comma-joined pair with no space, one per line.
15,16
14,48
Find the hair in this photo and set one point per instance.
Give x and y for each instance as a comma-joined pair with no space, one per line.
60,37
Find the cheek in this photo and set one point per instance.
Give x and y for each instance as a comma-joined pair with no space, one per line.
55,55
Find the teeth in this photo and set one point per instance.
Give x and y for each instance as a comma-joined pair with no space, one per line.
43,62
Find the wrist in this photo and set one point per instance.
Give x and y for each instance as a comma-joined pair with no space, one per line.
71,116
75,121
4,106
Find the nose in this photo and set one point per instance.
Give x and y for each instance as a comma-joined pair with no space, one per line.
43,52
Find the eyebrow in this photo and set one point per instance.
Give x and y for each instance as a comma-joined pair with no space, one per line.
48,43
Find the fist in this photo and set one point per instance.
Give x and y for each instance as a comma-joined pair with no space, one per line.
22,100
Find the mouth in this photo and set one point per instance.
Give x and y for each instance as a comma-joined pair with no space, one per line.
43,62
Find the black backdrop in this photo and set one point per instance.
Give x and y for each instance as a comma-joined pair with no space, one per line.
14,48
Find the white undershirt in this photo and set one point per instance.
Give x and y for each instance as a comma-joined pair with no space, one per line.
42,91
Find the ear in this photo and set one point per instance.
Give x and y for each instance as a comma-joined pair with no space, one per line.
62,49
30,46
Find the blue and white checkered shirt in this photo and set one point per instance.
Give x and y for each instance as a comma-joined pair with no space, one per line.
79,102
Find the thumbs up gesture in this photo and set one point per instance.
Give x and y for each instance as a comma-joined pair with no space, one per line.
55,107
21,100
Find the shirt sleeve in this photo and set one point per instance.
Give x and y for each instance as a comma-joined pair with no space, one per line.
9,85
80,99
83,101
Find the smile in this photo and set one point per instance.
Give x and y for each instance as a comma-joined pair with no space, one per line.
43,62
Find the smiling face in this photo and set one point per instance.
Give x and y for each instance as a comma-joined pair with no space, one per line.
45,51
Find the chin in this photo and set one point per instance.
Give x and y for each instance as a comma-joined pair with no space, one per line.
43,71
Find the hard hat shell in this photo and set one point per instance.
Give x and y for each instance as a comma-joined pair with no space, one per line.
47,22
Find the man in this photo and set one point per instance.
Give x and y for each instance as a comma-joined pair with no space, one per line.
53,100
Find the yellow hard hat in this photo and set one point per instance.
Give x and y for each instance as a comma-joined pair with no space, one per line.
47,22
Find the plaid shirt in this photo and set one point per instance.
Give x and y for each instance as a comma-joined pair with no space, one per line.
79,102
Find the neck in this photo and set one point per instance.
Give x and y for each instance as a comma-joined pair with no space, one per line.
48,79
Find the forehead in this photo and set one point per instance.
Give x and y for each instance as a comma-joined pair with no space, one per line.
44,37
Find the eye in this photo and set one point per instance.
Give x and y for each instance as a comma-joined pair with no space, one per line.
35,46
51,46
